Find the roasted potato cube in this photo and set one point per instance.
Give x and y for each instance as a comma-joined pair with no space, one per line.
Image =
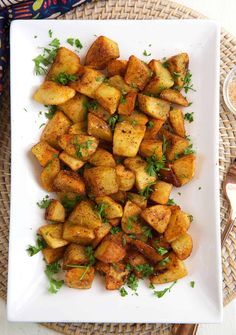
139,166
127,104
99,128
85,215
131,222
101,180
78,128
75,108
69,181
78,146
154,107
157,217
137,199
161,192
116,277
49,173
127,139
153,127
137,74
174,97
149,148
168,175
88,81
44,152
51,93
102,157
184,168
109,252
99,111
146,250
80,277
73,163
119,83
56,127
108,97
162,78
66,61
175,144
183,246
117,238
100,233
126,178
178,67
113,209
177,122
77,234
114,222
176,271
75,254
52,234
117,67
101,52
55,212
178,225
135,258
119,196
135,118
51,255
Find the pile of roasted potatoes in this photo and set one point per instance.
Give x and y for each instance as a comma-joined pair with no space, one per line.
112,151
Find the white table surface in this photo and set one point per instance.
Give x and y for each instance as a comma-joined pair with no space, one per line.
223,11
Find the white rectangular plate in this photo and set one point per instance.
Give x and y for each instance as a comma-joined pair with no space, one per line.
28,299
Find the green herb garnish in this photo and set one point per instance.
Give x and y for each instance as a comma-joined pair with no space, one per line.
42,62
154,165
151,286
100,208
150,124
42,124
160,294
188,82
189,150
51,112
40,245
147,231
64,78
189,117
147,190
131,220
45,202
123,292
122,99
192,284
132,282
164,261
90,253
50,33
115,230
68,203
50,270
112,121
80,146
145,53
161,251
171,202
146,270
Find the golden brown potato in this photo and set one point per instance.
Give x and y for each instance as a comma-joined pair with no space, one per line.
119,196
75,254
55,212
78,146
135,118
66,61
102,157
52,234
168,176
44,152
99,128
115,274
85,215
114,222
177,122
162,78
77,234
109,252
51,93
149,148
131,222
146,250
73,163
117,67
137,74
126,178
100,233
178,225
52,255
176,271
178,66
101,52
49,173
80,277
137,199
88,81
127,104
154,107
174,97
101,180
153,127
127,138
135,258
184,168
108,96
176,144
138,166
161,192
119,83
56,127
157,217
99,111
75,108
112,209
183,246
78,128
69,181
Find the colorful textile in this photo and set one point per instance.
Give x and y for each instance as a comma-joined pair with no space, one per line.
32,9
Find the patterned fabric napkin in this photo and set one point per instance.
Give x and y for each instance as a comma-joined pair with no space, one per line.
22,9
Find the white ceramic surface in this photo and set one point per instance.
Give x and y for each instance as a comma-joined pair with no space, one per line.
29,300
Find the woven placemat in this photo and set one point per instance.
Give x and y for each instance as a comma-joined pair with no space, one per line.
131,9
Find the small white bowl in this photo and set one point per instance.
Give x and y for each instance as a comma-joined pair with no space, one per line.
228,80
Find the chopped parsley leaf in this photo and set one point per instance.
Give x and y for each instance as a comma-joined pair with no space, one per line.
171,202
154,165
151,286
70,41
42,124
160,294
51,111
146,270
145,53
189,117
150,124
80,146
90,253
100,208
55,43
147,231
123,292
91,105
131,220
50,33
164,261
50,270
147,190
78,44
68,203
161,251
45,202
112,121
115,230
192,284
42,62
40,245
132,282
188,82
64,78
122,99
189,150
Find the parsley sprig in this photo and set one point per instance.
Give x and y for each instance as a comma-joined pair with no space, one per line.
112,121
160,294
45,202
40,245
50,271
51,111
64,78
188,82
161,251
115,230
189,117
145,270
74,42
80,146
42,61
154,165
147,190
100,208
